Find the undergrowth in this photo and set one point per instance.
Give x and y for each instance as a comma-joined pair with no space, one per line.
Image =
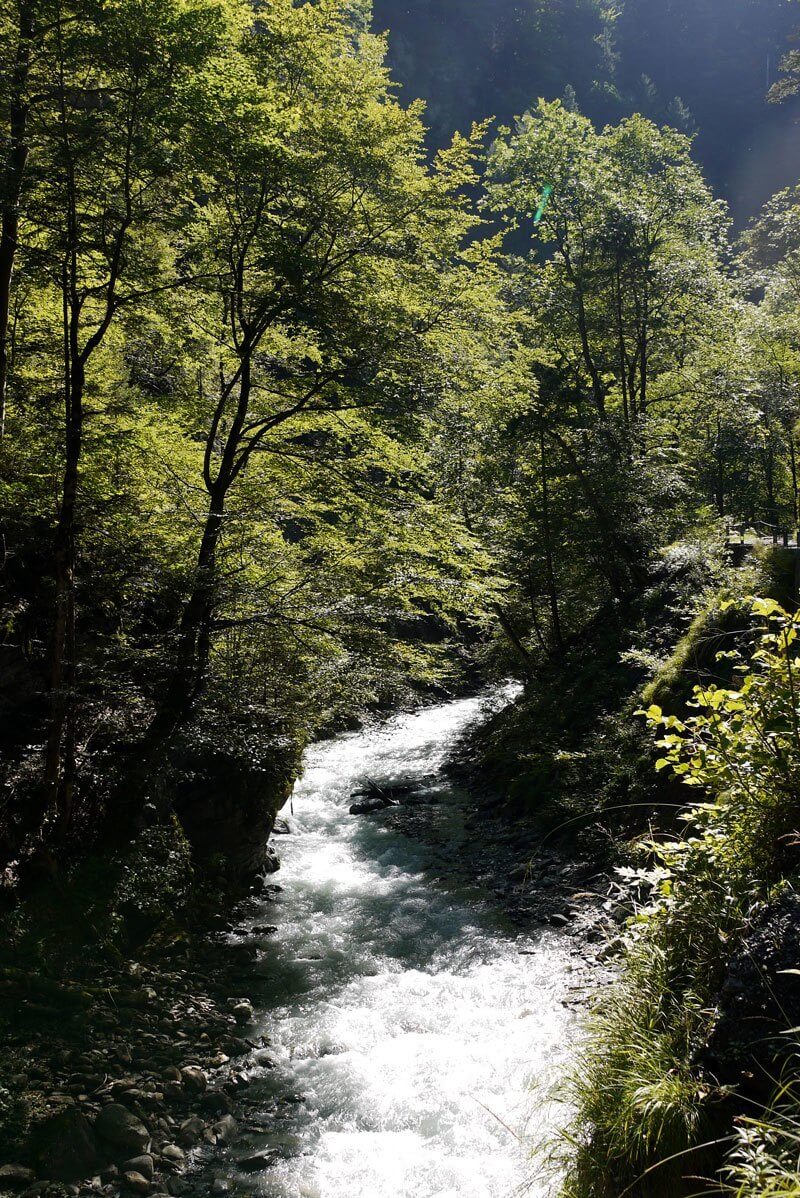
657,1098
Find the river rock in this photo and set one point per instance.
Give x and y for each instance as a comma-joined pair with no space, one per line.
369,806
135,1182
226,1131
64,1146
173,1154
190,1131
194,1078
14,1177
257,1161
140,1164
242,1011
217,1102
121,1128
559,919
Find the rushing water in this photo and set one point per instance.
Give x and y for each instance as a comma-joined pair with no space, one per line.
417,1035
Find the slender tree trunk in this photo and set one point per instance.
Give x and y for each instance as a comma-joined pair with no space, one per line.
793,464
548,550
769,478
644,355
617,548
532,597
720,488
12,185
515,640
59,762
623,357
188,673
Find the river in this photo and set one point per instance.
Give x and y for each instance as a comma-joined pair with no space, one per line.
416,1034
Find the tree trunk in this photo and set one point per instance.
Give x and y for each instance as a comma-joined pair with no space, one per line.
616,546
523,654
793,463
188,674
60,764
12,185
548,549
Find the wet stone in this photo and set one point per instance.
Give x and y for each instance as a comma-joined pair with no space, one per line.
257,1161
190,1131
64,1145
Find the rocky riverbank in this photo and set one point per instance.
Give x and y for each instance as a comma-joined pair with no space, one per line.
115,1075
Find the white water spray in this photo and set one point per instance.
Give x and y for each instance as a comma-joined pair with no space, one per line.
422,1032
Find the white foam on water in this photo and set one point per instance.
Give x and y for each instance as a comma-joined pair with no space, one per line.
424,1040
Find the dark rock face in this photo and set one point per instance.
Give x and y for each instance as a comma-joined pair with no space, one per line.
64,1146
759,1000
227,805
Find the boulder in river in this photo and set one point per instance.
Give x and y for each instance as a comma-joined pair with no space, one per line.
257,1161
242,1011
226,1130
368,806
140,1164
194,1078
190,1131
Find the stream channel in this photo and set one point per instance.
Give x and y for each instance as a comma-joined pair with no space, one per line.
416,1033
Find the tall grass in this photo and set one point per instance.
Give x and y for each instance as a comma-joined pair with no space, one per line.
640,1101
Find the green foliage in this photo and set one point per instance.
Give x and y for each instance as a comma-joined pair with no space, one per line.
154,879
764,1160
218,417
642,1093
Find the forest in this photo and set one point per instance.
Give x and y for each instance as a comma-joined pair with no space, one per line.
437,455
